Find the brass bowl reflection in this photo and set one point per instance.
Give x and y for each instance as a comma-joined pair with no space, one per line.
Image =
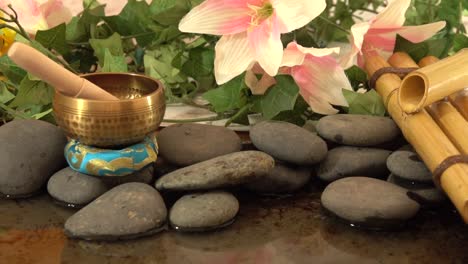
106,124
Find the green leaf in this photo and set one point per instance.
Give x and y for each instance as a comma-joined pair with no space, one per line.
168,12
229,96
200,62
113,44
435,47
12,71
460,42
33,93
356,76
114,63
54,38
281,97
5,94
76,30
369,103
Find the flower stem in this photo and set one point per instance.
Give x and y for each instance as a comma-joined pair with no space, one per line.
334,24
193,120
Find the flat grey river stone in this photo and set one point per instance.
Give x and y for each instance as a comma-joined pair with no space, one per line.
282,178
187,144
369,202
407,165
30,152
231,169
200,211
288,142
126,211
357,130
347,161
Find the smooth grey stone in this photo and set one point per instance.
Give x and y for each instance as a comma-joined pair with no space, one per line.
75,188
310,126
187,144
288,142
357,130
144,175
282,178
369,202
424,193
352,161
127,211
31,151
231,169
407,165
203,210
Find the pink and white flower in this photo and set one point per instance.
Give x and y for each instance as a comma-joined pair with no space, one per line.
317,73
250,30
378,35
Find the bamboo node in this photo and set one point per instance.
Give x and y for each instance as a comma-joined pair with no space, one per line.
445,164
401,72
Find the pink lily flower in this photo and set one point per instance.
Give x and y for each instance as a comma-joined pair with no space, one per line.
250,30
319,76
317,73
378,36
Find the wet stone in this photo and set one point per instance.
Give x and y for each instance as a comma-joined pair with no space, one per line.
425,193
31,151
282,178
407,165
127,211
357,130
187,144
351,161
369,202
228,170
71,187
288,142
203,211
145,175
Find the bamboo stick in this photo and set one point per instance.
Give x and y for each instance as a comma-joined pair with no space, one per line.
427,61
427,138
434,82
460,101
445,114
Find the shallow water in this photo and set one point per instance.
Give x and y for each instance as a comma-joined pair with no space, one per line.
267,230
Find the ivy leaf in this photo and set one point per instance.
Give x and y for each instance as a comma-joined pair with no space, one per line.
369,103
12,71
281,97
54,38
228,96
200,62
114,63
460,42
5,94
33,93
113,44
437,47
356,76
168,12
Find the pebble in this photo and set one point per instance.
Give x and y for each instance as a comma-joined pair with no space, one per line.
288,142
31,151
369,202
231,169
187,144
71,187
144,175
127,211
407,165
347,161
424,193
282,178
203,211
357,130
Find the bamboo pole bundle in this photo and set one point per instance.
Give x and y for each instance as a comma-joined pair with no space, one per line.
434,82
427,138
443,112
460,101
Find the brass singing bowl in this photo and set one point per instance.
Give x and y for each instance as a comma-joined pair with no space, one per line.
108,124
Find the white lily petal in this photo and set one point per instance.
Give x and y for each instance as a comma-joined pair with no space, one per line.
265,41
320,106
295,14
217,17
420,33
294,54
233,57
393,16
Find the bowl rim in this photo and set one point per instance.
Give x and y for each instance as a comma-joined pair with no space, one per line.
159,89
